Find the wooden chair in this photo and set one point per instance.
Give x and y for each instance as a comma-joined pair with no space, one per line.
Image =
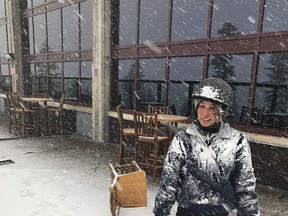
125,133
158,109
24,117
149,142
40,94
128,188
10,111
56,112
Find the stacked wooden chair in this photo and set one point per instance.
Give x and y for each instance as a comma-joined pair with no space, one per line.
149,142
126,134
22,118
54,116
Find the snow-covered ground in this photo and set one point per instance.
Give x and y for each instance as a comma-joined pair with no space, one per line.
59,176
67,176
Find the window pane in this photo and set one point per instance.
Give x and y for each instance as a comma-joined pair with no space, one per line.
29,3
271,94
235,69
55,80
153,21
2,9
86,82
234,17
272,81
275,15
71,77
127,22
3,44
189,19
40,34
186,69
151,75
41,74
5,84
31,41
71,28
37,2
86,25
126,71
184,72
54,31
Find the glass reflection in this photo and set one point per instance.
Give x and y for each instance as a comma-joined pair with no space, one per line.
55,79
237,17
275,16
86,25
54,31
235,69
86,82
151,76
2,9
41,76
126,69
40,34
271,95
189,19
127,22
154,21
184,73
31,39
71,77
37,2
5,84
71,28
3,36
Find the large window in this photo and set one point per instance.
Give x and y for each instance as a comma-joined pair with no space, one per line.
60,42
192,40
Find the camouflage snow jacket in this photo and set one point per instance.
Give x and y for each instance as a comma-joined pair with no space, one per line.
208,178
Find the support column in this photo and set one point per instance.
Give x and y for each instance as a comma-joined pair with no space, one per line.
101,70
15,44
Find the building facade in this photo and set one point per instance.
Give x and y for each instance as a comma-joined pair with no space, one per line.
134,52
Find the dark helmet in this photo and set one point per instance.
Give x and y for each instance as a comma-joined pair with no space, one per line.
214,89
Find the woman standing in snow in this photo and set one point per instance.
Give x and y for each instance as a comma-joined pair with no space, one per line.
208,168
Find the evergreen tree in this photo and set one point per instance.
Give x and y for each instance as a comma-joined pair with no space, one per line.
45,70
222,63
277,97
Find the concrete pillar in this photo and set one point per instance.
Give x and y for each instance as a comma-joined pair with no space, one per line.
14,41
101,70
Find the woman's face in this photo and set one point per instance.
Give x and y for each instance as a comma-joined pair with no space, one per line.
206,113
